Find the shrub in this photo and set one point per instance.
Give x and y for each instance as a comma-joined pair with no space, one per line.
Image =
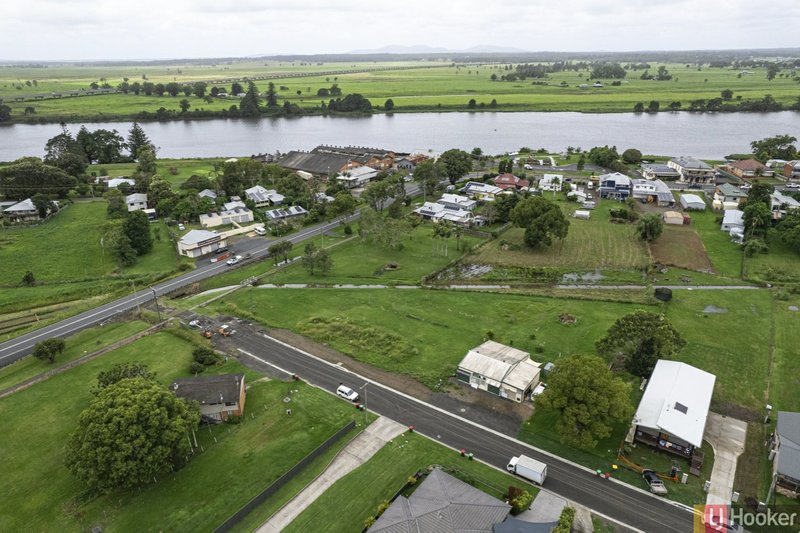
348,229
205,356
521,502
755,246
28,279
47,350
196,368
565,521
370,520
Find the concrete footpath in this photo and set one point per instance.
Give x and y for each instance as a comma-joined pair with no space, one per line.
358,452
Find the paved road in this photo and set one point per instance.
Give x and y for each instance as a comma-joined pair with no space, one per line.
619,501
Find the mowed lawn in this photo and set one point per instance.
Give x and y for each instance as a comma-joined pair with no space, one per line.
590,244
41,494
725,256
351,500
786,363
175,171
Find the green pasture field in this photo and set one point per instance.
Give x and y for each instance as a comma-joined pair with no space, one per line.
42,495
82,343
355,497
184,168
412,89
590,244
780,264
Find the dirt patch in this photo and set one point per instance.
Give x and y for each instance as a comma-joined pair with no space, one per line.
681,247
736,411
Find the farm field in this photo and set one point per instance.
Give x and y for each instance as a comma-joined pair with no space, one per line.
42,495
351,500
413,89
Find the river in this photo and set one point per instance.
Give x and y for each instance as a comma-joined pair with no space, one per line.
709,136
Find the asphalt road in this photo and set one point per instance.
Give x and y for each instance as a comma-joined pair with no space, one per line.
637,509
21,346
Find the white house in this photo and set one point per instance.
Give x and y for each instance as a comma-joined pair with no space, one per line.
455,201
263,197
733,221
136,202
673,411
481,191
781,203
786,462
22,211
357,176
727,196
238,215
499,369
233,204
286,213
199,242
437,213
551,182
693,202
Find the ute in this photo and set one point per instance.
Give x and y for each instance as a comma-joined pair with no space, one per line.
656,485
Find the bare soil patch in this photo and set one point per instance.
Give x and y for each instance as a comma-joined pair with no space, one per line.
681,247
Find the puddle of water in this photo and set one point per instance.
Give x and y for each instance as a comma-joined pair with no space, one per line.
587,277
713,309
793,308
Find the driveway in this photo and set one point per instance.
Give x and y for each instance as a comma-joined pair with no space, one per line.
727,436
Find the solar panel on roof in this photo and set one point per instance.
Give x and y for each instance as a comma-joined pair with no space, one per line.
682,408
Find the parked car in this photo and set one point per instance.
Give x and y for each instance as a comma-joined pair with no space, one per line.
793,185
181,227
195,323
695,186
347,393
233,260
260,231
655,483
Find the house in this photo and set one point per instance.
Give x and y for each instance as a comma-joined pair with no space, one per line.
237,215
692,170
615,186
786,448
727,196
579,196
263,197
357,176
410,163
659,171
692,202
219,396
116,182
199,242
444,504
672,413
233,204
481,191
456,202
286,213
151,214
551,182
748,168
781,203
511,182
499,369
654,192
136,202
207,193
437,212
673,217
23,211
791,170
733,221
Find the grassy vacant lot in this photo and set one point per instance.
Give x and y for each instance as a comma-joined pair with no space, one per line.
354,498
725,256
680,246
42,495
82,343
184,168
590,244
779,265
411,89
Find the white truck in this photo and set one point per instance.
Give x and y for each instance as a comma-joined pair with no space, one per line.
530,469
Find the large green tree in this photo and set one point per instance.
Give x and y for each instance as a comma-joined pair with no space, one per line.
757,219
29,176
760,192
249,106
588,398
456,163
377,193
5,113
542,219
789,230
427,174
48,349
649,227
132,431
640,339
137,140
777,147
137,228
120,371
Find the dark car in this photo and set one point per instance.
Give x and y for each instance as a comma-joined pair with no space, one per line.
695,186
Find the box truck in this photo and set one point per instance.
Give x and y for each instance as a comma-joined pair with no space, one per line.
530,469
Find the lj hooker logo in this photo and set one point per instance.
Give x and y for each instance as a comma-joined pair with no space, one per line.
710,518
714,518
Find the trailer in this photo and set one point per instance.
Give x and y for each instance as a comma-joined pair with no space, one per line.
530,469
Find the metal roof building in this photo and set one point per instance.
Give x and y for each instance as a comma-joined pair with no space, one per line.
499,369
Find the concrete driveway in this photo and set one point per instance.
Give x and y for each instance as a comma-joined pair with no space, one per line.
727,436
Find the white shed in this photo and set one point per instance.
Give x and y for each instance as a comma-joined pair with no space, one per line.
693,202
582,214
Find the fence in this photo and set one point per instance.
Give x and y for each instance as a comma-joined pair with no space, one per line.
281,481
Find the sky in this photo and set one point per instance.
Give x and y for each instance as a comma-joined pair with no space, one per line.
51,30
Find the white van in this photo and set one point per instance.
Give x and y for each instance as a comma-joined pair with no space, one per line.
590,185
589,204
260,231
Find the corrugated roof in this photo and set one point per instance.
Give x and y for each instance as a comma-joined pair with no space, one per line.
674,386
501,363
315,163
196,236
209,390
789,432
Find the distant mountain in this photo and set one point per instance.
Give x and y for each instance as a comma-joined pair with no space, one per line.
424,49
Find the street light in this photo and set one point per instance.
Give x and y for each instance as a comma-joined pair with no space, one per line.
155,298
364,388
133,285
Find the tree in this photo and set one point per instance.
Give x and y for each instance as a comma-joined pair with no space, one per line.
726,94
542,219
236,88
607,71
121,371
640,339
28,279
47,350
197,183
159,190
760,192
588,399
101,145
581,162
137,140
272,96
132,431
649,227
777,147
604,156
43,204
632,156
205,356
757,218
343,204
638,107
789,230
146,165
427,175
5,113
772,70
351,103
137,228
185,105
472,104
29,176
387,232
316,260
653,106
388,105
250,104
280,249
172,88
456,163
324,261
377,193
199,88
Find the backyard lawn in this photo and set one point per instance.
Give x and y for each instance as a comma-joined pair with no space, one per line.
42,495
351,500
725,256
175,171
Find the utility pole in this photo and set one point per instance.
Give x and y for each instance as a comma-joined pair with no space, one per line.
155,298
133,285
364,388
